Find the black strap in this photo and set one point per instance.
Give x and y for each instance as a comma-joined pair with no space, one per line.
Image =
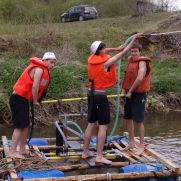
32,122
155,175
91,99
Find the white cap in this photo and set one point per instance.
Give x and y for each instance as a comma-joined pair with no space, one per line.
95,46
49,55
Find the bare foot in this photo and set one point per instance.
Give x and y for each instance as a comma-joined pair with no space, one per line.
129,146
87,155
140,151
15,155
103,160
27,153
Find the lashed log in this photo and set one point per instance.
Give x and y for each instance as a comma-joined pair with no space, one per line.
158,157
6,152
112,176
86,166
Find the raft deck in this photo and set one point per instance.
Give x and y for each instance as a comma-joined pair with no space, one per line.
48,159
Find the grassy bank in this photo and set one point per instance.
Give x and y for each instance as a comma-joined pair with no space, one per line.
70,42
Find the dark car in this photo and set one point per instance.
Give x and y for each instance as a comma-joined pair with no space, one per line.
79,13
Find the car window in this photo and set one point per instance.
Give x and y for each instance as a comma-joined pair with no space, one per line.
89,8
71,10
78,8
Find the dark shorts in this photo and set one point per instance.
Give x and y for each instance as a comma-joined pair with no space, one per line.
134,108
20,111
100,110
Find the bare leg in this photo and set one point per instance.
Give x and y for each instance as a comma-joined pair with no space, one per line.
23,138
100,145
15,139
130,128
141,131
87,138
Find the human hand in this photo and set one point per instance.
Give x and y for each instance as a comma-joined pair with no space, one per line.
121,47
128,95
139,35
36,104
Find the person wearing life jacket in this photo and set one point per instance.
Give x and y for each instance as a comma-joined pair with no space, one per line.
135,85
31,86
102,75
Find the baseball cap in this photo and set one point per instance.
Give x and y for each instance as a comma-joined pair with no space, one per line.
49,55
95,46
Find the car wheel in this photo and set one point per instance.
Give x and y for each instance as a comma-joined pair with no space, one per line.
63,20
81,18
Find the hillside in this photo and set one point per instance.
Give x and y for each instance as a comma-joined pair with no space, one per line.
70,42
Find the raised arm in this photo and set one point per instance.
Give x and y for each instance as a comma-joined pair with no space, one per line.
120,48
120,55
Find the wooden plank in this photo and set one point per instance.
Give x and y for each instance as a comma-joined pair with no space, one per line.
132,153
6,152
92,163
158,157
144,154
74,145
123,153
71,167
37,151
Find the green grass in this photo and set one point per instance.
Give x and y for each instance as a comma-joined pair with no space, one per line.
70,42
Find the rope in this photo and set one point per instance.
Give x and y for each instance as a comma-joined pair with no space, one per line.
31,163
159,139
32,123
166,33
108,176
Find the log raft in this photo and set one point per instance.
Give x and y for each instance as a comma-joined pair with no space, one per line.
147,155
111,176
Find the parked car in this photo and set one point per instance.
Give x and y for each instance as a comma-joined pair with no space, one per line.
79,13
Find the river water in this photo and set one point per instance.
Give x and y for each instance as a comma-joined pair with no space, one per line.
157,126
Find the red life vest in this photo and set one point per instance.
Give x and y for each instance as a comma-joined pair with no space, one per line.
23,87
102,79
132,72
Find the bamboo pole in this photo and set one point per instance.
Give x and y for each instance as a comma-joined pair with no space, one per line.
86,166
77,99
110,176
68,139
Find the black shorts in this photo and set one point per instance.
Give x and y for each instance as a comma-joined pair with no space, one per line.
20,111
134,107
99,110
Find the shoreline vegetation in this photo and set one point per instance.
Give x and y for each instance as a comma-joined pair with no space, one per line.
71,41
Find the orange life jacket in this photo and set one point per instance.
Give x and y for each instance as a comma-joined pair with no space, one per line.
23,87
132,72
102,79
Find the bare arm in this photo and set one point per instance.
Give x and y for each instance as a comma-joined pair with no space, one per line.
120,55
37,73
120,48
139,78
